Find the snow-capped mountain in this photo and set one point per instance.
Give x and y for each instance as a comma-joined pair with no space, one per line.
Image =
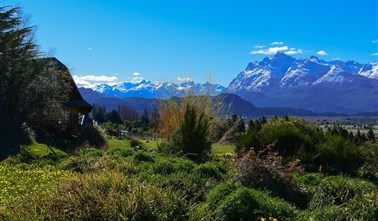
312,83
147,89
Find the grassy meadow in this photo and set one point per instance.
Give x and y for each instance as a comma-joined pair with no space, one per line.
132,181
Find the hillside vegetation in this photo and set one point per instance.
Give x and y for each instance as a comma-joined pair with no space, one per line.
134,180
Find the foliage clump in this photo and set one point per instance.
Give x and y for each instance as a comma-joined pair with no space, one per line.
356,199
265,171
192,138
295,139
232,201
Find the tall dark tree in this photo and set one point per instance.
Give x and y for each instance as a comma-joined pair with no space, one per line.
193,135
370,135
99,113
155,117
144,119
114,117
31,90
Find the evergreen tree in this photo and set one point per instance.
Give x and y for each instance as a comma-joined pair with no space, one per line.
144,119
193,135
155,118
31,89
370,135
251,125
114,117
99,113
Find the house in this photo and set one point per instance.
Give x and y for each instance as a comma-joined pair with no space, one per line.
76,107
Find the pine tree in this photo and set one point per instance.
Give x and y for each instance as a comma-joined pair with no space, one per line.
144,119
370,135
193,135
31,89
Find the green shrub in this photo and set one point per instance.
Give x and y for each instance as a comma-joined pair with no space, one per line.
210,170
322,214
231,201
309,180
120,151
92,136
92,152
357,198
338,155
265,171
289,135
142,156
192,138
338,190
369,169
170,165
220,192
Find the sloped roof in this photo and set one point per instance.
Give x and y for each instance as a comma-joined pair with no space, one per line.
75,98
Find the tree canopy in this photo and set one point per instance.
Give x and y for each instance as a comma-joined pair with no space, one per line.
31,89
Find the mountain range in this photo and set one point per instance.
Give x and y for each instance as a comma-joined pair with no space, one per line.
147,89
278,81
313,84
231,104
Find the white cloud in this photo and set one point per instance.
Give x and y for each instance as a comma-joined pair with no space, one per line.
294,51
137,79
277,43
90,81
184,79
272,50
375,54
322,53
96,78
375,41
259,46
136,74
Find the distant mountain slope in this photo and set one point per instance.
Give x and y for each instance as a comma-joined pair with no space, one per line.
313,84
148,89
231,104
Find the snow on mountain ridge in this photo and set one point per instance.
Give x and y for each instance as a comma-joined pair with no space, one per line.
283,71
148,89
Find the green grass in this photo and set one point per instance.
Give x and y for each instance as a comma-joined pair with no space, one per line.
40,150
223,149
114,142
150,144
140,183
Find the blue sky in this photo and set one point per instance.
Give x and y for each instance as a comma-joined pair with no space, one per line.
129,40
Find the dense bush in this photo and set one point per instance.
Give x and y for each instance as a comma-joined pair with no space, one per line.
290,136
120,151
168,165
93,136
357,198
265,171
210,170
231,201
295,139
192,138
142,156
338,155
369,169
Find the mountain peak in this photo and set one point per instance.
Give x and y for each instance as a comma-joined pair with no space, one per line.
280,55
321,85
